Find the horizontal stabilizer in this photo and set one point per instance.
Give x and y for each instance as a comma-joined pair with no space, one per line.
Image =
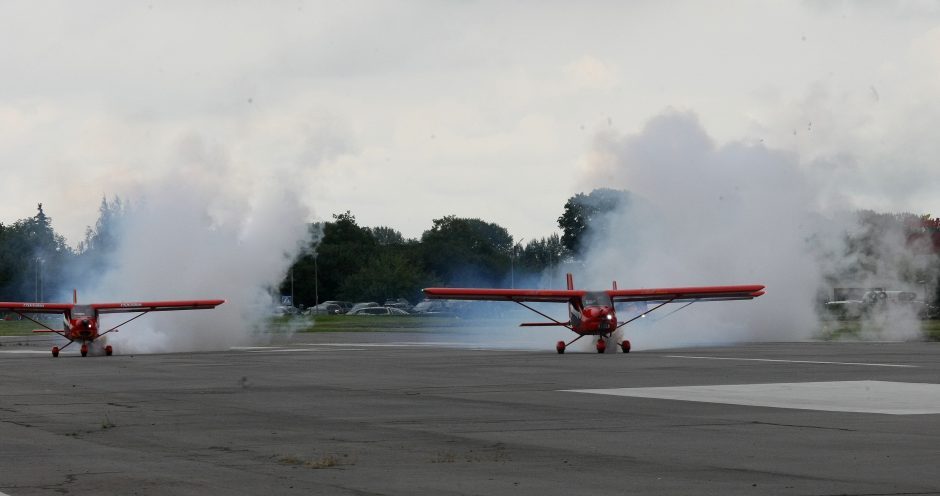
544,324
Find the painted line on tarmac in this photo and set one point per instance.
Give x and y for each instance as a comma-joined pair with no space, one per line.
797,361
397,344
25,352
276,349
890,398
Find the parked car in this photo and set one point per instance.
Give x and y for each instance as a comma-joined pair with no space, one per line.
325,308
282,310
378,311
400,303
430,306
358,306
345,305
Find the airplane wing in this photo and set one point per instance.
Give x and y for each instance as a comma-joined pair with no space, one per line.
548,295
29,307
155,306
695,293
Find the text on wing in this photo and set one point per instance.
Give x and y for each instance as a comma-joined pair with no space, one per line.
34,305
129,305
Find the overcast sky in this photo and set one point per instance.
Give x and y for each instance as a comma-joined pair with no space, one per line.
405,112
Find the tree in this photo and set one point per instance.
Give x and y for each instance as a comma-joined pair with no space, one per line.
32,256
467,251
391,274
543,253
387,236
95,252
585,214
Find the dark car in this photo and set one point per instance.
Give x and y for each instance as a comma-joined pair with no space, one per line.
325,308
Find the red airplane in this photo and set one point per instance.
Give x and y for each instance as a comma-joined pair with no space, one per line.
81,322
591,313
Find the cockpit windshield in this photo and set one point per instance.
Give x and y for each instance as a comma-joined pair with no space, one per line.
596,299
81,311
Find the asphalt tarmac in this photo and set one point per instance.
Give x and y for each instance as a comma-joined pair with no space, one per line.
424,413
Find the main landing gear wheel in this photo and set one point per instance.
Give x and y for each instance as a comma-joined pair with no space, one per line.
601,345
625,346
108,350
84,350
560,347
55,351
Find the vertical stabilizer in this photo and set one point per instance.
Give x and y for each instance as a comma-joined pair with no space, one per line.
570,281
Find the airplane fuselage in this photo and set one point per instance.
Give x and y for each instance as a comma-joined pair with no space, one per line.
592,320
81,329
592,314
81,324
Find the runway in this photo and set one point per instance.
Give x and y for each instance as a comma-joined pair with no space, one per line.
426,413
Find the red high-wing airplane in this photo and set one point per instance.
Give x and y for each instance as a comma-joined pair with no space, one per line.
591,313
81,321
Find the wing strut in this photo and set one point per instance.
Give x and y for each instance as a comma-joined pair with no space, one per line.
27,317
676,310
546,316
115,328
644,313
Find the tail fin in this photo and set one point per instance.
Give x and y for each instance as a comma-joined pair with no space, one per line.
570,281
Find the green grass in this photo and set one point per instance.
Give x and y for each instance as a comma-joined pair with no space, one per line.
17,327
365,323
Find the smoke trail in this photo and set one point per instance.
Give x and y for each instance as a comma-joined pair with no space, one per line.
705,214
202,232
708,215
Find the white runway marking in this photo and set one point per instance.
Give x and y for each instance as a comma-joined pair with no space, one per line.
892,398
795,361
278,349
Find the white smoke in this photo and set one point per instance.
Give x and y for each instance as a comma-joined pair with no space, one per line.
704,214
200,232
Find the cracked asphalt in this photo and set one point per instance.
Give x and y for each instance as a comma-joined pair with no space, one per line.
399,413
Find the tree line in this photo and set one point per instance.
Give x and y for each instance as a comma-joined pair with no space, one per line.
344,260
347,261
357,263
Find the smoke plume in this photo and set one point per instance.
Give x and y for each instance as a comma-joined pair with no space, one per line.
201,232
709,214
